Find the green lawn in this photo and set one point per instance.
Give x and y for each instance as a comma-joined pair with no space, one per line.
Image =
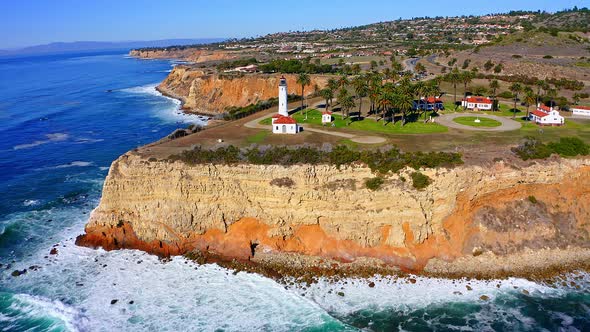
266,122
483,122
314,117
258,137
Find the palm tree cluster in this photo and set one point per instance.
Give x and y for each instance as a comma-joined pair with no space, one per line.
389,96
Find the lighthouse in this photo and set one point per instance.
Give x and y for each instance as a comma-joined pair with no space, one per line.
283,97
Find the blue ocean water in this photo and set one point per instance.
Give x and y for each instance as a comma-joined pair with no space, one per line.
65,118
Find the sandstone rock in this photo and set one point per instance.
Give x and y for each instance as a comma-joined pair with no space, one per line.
172,208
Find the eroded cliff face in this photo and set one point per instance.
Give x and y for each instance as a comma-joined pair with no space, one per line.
241,210
210,93
187,54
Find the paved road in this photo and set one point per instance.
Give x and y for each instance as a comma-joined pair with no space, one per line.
507,124
410,64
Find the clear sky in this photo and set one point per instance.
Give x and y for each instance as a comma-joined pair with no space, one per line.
31,22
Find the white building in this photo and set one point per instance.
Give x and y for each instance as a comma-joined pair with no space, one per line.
546,116
581,110
326,117
477,103
283,97
284,125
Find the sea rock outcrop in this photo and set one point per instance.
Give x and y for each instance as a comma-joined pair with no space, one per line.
170,208
212,94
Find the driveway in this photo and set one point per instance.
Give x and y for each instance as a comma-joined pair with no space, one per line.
507,124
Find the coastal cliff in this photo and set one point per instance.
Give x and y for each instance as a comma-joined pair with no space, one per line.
186,54
212,94
503,217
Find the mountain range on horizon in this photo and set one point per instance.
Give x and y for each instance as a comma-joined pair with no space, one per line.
80,46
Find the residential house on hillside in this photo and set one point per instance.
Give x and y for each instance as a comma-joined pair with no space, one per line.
546,116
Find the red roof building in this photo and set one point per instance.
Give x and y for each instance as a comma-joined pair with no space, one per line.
285,120
478,100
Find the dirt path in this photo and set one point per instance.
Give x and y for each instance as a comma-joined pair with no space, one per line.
507,124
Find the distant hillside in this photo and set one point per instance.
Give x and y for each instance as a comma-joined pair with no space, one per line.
61,47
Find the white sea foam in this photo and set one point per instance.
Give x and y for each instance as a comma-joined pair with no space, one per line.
36,307
56,137
88,140
170,112
399,293
31,202
76,164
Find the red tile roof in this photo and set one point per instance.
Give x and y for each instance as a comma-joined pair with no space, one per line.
540,113
327,112
433,100
276,116
545,108
581,107
478,100
285,120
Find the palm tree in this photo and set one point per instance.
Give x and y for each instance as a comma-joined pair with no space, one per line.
327,94
405,102
361,89
529,99
466,78
494,85
342,95
347,103
384,102
540,85
515,88
303,80
552,93
332,85
343,81
454,77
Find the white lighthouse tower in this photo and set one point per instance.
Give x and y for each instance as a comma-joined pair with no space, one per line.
283,97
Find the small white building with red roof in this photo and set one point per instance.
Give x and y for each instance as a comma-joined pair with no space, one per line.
477,103
581,111
546,116
326,117
284,125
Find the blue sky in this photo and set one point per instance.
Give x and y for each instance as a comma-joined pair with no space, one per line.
30,22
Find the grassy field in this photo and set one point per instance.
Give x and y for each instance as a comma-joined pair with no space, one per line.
314,117
483,122
259,137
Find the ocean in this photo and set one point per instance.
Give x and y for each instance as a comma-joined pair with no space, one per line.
65,118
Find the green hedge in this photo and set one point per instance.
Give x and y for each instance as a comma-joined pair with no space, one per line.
382,162
532,148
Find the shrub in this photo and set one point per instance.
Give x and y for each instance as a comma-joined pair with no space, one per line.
391,160
506,94
569,147
533,199
498,68
532,148
517,56
282,182
548,57
420,181
342,155
374,183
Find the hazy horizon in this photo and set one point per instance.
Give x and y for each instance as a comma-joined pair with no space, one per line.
38,22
